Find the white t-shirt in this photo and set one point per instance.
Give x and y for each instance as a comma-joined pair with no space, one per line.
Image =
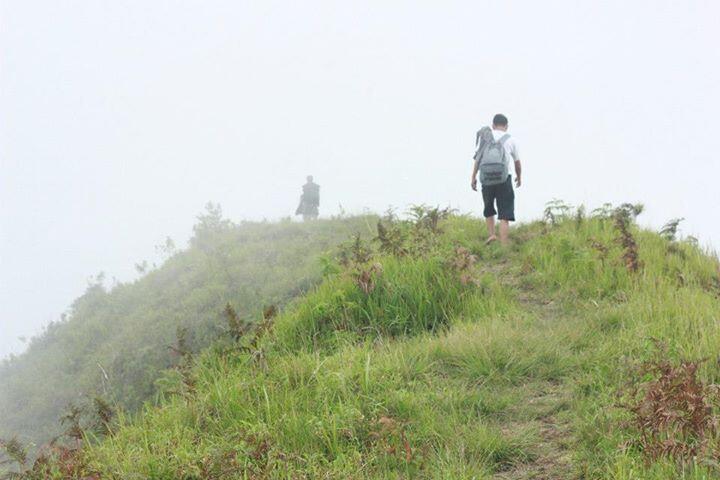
511,148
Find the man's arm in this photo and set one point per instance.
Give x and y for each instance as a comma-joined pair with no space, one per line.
473,179
476,162
515,153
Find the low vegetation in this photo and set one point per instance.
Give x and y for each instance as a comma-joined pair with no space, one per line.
425,354
113,342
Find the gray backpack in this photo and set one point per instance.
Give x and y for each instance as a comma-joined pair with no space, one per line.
491,157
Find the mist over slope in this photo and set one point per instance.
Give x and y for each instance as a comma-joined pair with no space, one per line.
114,342
574,353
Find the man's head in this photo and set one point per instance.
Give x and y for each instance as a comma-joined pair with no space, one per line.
309,178
500,122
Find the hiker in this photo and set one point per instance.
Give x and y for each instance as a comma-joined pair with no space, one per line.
309,200
494,149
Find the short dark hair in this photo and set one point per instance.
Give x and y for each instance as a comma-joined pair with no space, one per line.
500,120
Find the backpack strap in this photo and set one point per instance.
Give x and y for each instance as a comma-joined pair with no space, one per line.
502,139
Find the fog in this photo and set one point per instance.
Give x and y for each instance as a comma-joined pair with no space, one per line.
121,119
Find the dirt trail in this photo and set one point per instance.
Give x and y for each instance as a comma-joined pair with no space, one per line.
543,402
551,459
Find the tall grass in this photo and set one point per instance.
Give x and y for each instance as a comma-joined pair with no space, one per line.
412,371
670,298
410,296
113,341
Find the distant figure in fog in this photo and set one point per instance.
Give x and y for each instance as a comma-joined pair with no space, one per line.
495,149
309,200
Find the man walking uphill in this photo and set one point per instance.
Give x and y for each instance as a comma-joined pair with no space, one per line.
495,148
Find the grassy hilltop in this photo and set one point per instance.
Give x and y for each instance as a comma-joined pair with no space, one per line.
113,342
424,354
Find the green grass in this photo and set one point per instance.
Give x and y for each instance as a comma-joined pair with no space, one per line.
124,331
411,296
428,376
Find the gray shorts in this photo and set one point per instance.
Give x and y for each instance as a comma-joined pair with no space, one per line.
502,194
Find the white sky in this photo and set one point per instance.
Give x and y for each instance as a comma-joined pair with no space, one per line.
120,119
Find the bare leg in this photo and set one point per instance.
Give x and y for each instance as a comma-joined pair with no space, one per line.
490,222
504,230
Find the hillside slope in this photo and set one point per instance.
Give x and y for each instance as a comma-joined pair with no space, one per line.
114,343
431,355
